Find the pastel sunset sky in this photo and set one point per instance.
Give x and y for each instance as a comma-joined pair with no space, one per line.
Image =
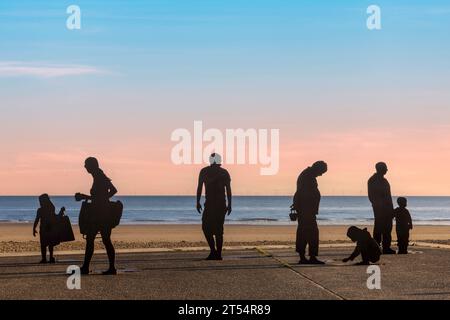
138,70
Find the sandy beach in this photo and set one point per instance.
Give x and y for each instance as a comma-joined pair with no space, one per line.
16,237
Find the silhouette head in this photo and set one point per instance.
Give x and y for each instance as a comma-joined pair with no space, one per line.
381,168
91,165
353,233
45,202
215,159
402,202
319,168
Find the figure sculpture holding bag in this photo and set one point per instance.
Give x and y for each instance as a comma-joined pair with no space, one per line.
48,227
97,215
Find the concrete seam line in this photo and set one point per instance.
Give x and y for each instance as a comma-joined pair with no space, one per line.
431,245
287,265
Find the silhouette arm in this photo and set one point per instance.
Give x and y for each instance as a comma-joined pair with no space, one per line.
61,211
410,221
352,257
355,253
112,190
82,196
370,192
388,190
36,221
199,191
295,201
389,196
199,188
229,195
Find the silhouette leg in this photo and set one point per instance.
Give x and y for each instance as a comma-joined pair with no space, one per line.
314,244
50,250
387,238
90,238
43,253
406,242
314,241
376,231
106,238
219,243
403,243
211,243
386,241
399,241
365,258
209,233
301,244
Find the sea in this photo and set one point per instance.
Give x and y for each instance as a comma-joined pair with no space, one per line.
255,210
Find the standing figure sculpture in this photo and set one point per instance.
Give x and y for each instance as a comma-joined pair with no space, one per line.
379,192
217,181
102,190
306,203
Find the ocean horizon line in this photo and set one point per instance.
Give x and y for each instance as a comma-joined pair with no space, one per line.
234,195
257,209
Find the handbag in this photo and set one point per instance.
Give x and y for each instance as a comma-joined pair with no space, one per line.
115,214
293,215
87,220
84,218
65,229
50,234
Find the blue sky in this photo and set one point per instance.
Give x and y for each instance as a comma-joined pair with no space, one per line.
173,41
231,47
